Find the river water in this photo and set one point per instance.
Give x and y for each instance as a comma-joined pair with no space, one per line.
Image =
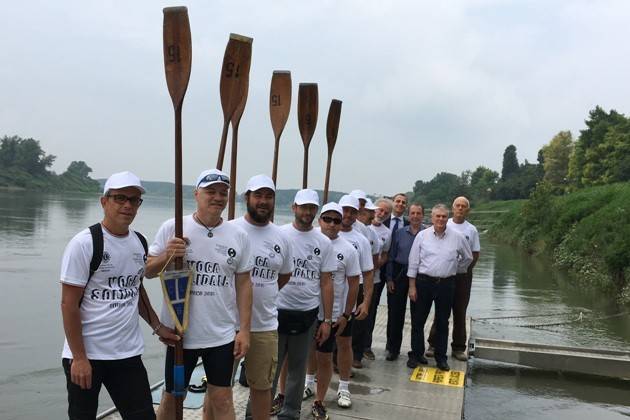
34,229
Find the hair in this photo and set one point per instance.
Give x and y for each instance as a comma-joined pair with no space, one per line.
387,202
461,197
439,206
401,194
416,205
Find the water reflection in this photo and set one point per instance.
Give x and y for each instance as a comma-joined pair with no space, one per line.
22,212
76,205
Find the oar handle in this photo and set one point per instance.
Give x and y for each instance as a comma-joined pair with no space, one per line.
305,172
327,179
276,150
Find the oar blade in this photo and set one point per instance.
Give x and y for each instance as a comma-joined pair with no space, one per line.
280,100
332,125
235,74
177,52
307,111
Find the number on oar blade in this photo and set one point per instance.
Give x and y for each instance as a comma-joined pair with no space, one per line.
279,108
177,52
332,128
307,119
234,82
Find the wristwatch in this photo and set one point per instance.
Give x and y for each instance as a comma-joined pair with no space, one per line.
347,316
328,321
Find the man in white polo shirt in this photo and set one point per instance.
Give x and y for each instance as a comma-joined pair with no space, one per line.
350,207
101,298
272,262
298,302
436,255
221,293
463,284
346,288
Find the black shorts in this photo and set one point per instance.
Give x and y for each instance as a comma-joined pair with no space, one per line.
329,345
218,363
347,332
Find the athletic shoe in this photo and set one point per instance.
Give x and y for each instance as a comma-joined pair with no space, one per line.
276,404
319,411
369,354
430,352
459,355
414,361
343,399
390,357
308,393
357,364
443,366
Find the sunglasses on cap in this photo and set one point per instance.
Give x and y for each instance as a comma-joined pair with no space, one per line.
214,178
122,199
328,219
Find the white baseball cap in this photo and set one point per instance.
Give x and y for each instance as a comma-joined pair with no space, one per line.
369,205
306,196
359,194
349,201
123,180
258,182
332,206
212,176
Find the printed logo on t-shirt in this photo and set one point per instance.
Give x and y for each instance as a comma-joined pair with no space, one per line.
140,257
207,274
277,248
106,257
120,291
262,269
340,256
316,251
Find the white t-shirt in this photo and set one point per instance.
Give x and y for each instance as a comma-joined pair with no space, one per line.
384,236
347,266
468,231
109,310
362,245
270,256
312,255
213,311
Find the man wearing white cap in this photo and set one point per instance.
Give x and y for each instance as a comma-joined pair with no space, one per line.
272,262
101,297
346,288
298,302
221,293
350,207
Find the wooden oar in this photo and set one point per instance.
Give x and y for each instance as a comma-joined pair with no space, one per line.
307,120
279,108
234,77
236,119
177,63
332,128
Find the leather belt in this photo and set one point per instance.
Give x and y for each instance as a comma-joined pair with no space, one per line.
436,280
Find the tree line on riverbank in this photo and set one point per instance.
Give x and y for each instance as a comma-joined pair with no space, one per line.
599,156
24,165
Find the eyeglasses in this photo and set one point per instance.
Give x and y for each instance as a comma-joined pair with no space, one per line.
122,199
328,219
213,178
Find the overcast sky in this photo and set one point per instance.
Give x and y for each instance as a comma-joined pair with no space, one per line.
427,86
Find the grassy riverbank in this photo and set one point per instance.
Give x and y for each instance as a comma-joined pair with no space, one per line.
587,232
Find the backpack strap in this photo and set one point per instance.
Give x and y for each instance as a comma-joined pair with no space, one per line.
145,245
96,231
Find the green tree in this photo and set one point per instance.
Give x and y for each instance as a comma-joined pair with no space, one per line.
79,168
510,163
443,188
556,155
483,183
24,154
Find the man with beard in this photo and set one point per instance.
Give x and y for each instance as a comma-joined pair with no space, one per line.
437,254
298,302
272,266
350,207
346,287
463,284
220,295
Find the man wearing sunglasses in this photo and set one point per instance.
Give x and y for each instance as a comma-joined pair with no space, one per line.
350,206
299,300
346,288
220,298
101,298
272,267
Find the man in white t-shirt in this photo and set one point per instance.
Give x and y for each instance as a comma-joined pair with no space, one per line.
463,283
272,262
346,289
384,238
102,297
298,301
350,207
220,296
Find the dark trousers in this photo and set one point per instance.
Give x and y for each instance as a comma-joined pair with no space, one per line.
441,292
376,298
463,284
126,381
396,308
359,331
